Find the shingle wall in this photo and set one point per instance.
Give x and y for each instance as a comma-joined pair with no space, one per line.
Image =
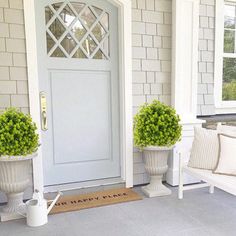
13,74
151,60
206,104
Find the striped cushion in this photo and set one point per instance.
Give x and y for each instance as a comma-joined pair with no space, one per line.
204,154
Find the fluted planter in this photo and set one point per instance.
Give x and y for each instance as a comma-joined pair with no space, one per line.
14,179
155,159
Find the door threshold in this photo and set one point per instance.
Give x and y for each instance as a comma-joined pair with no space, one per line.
83,185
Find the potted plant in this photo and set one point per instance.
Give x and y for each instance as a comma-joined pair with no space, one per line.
156,130
18,145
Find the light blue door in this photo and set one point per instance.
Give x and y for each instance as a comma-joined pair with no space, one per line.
78,75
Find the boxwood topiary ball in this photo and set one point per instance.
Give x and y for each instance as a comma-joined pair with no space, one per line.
18,135
156,124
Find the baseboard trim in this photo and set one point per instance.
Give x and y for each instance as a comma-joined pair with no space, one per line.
83,185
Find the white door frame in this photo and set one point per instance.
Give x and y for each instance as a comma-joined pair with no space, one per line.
125,88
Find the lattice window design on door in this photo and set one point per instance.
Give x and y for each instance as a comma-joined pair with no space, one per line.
77,30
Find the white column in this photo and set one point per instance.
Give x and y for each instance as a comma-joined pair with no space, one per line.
185,20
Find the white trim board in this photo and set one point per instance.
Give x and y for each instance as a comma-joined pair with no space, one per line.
125,95
185,25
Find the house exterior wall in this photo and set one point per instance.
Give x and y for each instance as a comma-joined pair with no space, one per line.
206,46
151,40
151,58
151,37
13,71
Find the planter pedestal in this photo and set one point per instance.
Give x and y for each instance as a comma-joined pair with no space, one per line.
14,179
15,201
155,159
156,188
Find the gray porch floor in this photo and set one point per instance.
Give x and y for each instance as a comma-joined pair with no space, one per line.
199,213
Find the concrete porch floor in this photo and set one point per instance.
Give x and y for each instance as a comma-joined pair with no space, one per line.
199,213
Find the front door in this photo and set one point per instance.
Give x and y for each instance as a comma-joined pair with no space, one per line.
78,58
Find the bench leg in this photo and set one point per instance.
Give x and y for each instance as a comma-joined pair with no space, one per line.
211,189
181,186
180,191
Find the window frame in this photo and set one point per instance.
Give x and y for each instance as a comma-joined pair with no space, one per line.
222,107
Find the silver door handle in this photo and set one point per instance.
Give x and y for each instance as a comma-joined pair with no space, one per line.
44,121
43,107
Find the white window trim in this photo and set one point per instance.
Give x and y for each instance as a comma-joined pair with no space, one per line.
222,107
126,75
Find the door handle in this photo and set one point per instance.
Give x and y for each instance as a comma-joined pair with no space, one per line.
43,108
44,121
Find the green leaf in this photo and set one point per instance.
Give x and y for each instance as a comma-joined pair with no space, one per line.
156,124
18,134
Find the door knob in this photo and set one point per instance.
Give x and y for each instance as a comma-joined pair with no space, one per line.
43,108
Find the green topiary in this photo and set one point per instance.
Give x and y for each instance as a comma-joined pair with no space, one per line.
18,135
156,124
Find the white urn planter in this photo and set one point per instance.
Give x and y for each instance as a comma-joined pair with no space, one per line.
14,179
155,159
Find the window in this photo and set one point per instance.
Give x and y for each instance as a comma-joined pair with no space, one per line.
77,30
225,56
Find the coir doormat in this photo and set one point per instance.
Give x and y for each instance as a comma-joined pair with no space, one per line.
96,199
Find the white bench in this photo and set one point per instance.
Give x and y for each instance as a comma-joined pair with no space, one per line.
224,182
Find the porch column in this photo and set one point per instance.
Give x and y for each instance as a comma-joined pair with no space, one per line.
185,20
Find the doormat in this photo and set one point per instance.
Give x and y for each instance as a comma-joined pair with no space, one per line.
96,199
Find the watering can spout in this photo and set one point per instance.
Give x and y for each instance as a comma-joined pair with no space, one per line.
54,202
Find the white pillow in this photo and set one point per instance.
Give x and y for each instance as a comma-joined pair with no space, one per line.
204,153
227,156
226,129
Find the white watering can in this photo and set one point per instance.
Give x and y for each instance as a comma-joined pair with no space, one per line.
37,210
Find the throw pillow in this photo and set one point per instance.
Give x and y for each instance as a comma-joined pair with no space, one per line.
227,156
205,148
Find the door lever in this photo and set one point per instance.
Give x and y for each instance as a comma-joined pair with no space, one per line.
43,107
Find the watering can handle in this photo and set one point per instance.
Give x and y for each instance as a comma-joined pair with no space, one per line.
54,201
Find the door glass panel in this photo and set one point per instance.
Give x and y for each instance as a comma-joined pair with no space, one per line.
48,14
87,30
67,15
56,6
78,30
99,32
68,43
78,6
88,17
89,45
57,28
105,20
97,10
79,54
99,55
50,42
58,53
